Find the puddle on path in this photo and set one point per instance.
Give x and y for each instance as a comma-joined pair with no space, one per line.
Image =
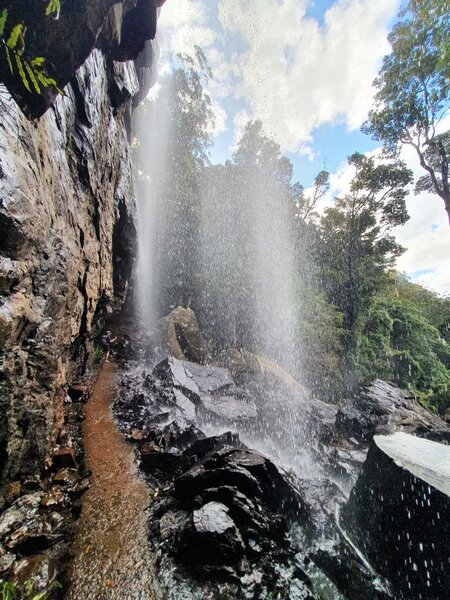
112,560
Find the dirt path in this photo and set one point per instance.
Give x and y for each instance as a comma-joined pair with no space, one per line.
112,561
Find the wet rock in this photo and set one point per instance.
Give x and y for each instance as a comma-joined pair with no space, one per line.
199,478
59,251
67,477
201,447
396,513
174,435
211,537
22,509
6,560
77,391
120,28
226,409
137,435
212,518
186,406
164,463
39,568
138,26
174,372
194,378
13,491
31,541
348,572
64,457
210,380
55,497
181,335
384,408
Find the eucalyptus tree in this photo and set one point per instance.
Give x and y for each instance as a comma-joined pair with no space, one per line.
306,202
413,94
357,244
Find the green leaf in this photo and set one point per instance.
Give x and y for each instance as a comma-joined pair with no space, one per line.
8,590
40,596
22,73
16,33
8,59
3,18
54,6
32,77
37,61
43,79
28,587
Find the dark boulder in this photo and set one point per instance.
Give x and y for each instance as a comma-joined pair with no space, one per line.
398,514
181,335
210,389
226,409
193,378
211,537
199,478
382,407
138,26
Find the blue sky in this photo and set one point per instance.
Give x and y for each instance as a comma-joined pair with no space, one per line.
305,68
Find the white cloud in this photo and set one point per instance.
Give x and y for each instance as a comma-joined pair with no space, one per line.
296,75
183,24
426,236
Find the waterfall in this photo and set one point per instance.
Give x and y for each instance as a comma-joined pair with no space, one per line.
151,150
219,239
246,257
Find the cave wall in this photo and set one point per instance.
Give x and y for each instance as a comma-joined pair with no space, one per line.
67,239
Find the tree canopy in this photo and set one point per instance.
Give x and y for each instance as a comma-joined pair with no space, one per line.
413,94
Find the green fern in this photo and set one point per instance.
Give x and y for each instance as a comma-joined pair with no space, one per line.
16,35
3,18
31,72
53,8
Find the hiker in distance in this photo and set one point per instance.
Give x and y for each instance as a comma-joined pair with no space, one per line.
107,340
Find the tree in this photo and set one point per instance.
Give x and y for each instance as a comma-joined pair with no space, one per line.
306,204
414,92
357,245
399,342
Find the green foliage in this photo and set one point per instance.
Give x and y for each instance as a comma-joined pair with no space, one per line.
357,247
26,591
97,354
3,19
53,8
397,341
414,91
30,71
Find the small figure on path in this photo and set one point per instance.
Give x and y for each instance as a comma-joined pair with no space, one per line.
107,340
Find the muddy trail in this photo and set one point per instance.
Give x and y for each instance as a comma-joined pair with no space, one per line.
111,556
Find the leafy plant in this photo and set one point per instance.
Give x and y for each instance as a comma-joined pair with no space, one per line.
10,591
31,71
53,8
98,354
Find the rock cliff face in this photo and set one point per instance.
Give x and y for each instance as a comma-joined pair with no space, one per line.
67,238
